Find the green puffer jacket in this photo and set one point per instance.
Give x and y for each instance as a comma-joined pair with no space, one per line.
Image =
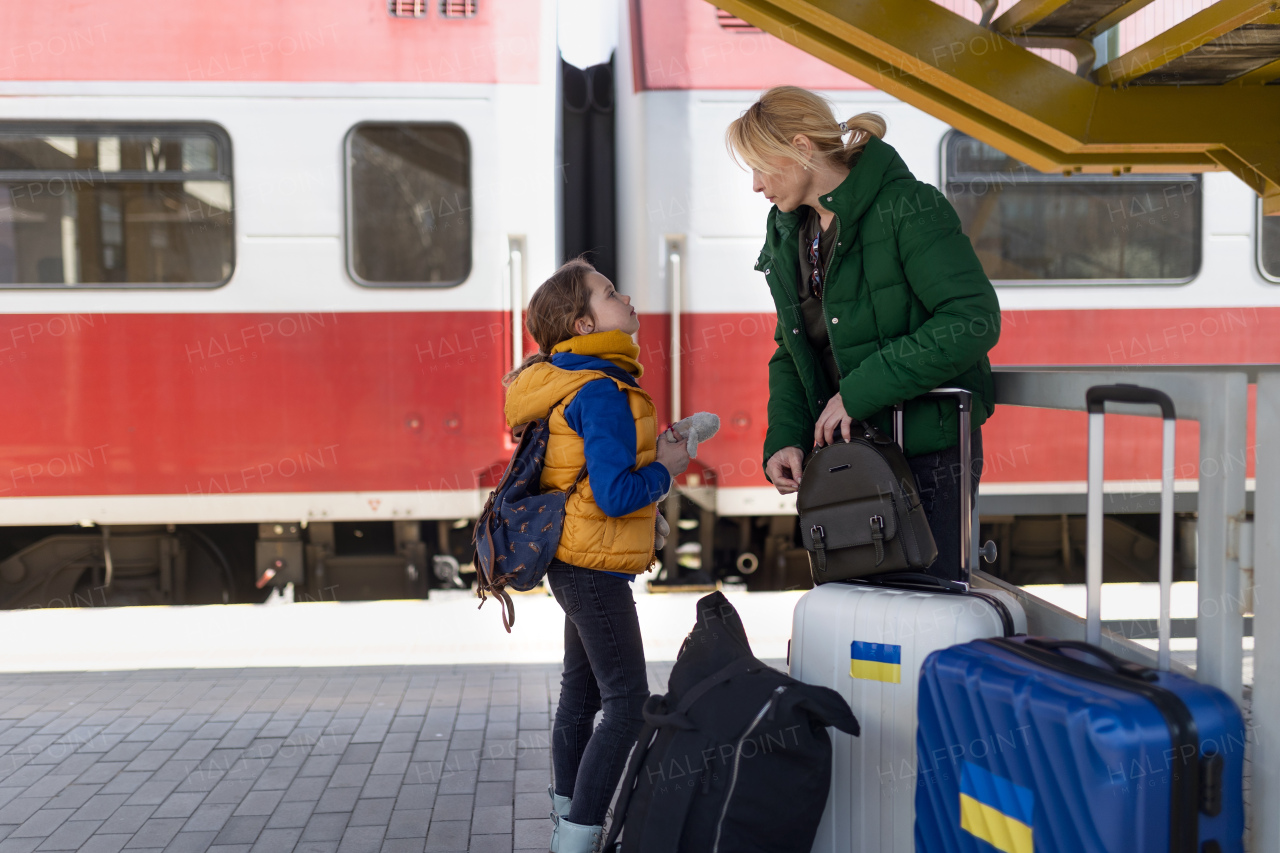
908,306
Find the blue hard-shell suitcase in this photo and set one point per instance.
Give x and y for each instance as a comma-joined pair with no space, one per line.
1032,745
1025,747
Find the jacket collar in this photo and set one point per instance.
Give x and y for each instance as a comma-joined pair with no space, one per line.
541,386
616,347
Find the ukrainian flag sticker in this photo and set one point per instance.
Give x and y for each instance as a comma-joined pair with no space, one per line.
995,810
876,662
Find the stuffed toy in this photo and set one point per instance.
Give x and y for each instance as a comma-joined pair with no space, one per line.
697,428
694,430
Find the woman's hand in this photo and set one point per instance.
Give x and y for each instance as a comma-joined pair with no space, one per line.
784,469
673,455
833,418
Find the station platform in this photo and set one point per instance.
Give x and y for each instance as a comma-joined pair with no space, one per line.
442,758
182,729
323,726
270,760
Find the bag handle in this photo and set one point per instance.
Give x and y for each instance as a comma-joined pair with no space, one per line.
638,755
1116,663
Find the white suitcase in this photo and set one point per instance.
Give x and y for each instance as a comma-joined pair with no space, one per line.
868,642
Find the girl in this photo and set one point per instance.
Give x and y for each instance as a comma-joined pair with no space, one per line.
879,295
584,377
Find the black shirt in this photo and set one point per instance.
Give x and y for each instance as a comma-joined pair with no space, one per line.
815,325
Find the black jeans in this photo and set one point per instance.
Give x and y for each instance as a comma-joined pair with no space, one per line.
940,477
603,667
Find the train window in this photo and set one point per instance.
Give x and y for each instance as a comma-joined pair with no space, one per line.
408,204
1028,226
1269,245
115,205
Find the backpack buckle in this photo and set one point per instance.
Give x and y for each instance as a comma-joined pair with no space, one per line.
877,537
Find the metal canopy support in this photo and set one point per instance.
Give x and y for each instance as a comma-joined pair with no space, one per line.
1035,17
1219,623
982,83
1266,631
1218,402
1182,38
1025,14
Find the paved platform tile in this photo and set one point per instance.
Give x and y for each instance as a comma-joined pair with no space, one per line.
315,760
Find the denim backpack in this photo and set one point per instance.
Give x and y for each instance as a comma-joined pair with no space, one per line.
518,530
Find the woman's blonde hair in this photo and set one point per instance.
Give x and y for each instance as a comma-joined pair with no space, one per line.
764,132
558,303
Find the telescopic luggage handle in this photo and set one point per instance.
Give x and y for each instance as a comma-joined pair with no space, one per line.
1098,395
964,402
1096,399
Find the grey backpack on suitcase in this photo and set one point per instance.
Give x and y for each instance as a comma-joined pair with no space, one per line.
859,506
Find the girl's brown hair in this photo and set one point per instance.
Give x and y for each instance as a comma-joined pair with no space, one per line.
764,132
558,303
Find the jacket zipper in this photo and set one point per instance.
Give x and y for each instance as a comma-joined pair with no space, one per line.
737,757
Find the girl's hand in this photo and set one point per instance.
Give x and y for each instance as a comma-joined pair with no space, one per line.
672,455
784,469
833,418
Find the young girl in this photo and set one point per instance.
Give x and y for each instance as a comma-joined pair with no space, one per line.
584,376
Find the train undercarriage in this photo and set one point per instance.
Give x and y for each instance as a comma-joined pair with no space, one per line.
122,565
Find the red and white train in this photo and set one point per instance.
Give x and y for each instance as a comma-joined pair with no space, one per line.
260,281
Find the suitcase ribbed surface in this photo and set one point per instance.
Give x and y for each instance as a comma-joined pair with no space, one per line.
871,806
1068,757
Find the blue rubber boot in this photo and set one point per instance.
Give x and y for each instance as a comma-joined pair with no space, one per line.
559,804
575,838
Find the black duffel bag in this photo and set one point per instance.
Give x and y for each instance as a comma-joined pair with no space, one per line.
735,757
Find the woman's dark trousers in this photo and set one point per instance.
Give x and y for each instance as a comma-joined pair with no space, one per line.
940,477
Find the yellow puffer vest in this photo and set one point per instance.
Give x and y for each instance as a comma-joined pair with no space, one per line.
589,538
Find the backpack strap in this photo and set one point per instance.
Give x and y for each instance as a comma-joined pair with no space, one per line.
582,475
740,666
494,586
638,755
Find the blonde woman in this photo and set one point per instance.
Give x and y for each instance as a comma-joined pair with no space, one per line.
879,295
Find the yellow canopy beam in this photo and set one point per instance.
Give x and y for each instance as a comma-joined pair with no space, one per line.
1026,13
1260,76
985,85
1182,38
1108,21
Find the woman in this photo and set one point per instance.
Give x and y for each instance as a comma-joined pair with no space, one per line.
879,295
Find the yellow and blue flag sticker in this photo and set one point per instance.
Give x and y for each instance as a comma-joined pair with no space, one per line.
996,810
876,662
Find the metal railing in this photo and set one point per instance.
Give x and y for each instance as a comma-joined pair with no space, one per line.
1216,396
